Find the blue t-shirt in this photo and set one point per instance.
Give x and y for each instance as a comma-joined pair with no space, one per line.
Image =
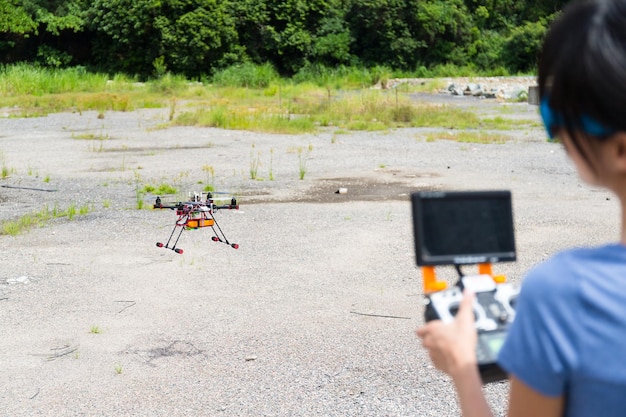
569,333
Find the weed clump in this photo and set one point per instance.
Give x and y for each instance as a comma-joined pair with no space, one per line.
41,218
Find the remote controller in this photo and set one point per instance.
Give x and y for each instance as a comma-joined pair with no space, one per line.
494,311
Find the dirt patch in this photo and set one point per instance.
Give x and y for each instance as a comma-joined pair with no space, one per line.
392,186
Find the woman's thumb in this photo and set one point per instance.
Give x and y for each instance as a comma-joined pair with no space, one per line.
466,309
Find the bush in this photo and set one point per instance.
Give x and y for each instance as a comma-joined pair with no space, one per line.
51,57
335,77
486,50
246,75
521,49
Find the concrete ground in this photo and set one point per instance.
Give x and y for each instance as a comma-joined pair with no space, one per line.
314,314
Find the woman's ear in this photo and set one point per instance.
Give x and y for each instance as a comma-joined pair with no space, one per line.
619,151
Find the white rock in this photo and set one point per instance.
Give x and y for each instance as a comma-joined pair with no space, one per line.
19,280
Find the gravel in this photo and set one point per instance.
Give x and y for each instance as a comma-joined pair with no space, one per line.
313,315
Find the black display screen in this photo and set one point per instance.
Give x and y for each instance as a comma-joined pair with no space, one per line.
467,227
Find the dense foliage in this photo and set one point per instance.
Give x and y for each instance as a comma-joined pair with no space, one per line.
196,38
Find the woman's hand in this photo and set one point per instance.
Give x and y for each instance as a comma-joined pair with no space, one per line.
452,346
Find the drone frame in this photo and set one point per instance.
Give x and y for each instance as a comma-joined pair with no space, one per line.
196,214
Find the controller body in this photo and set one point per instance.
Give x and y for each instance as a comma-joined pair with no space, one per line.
494,312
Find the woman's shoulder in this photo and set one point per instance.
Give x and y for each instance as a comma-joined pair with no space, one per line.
573,269
605,253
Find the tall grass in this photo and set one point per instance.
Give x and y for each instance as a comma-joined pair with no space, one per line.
170,85
245,118
23,79
246,75
341,77
374,110
245,97
303,108
38,91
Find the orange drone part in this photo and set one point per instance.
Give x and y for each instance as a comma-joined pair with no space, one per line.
197,223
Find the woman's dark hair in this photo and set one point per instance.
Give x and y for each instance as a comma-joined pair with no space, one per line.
582,66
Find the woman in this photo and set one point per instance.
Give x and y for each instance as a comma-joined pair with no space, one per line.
566,351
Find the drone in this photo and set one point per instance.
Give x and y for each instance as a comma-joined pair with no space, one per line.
195,214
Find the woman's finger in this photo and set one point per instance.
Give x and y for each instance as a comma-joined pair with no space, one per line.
466,309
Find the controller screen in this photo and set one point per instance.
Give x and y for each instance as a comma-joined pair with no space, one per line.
494,341
463,227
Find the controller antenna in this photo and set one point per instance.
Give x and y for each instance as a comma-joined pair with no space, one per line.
458,270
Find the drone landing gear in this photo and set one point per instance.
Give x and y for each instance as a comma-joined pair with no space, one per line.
174,248
177,250
232,245
194,224
222,239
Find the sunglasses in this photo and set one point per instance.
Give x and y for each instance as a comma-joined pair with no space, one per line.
554,121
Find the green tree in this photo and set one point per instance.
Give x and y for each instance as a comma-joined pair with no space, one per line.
197,36
15,26
536,10
521,50
332,40
384,32
496,14
125,37
192,36
485,51
40,30
252,18
56,16
444,26
292,33
406,33
32,16
14,19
